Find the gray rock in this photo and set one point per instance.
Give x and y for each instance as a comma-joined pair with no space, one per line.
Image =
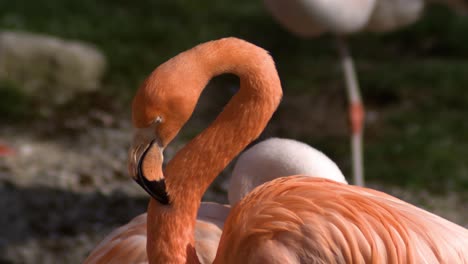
49,69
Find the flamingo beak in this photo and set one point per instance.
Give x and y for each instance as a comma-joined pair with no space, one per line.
145,164
157,186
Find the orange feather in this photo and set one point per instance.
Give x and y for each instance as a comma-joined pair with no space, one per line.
127,244
322,221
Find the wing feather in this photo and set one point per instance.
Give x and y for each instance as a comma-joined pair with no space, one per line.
127,244
321,221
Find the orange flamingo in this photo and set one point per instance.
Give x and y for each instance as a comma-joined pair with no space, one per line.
294,219
128,243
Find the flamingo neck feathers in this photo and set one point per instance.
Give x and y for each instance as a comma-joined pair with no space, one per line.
191,171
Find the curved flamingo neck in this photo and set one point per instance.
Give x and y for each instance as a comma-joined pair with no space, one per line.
191,171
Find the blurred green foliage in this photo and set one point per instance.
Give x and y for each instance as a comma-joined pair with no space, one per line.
13,103
415,79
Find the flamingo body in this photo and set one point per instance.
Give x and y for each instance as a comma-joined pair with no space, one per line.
127,244
301,219
278,157
389,15
309,18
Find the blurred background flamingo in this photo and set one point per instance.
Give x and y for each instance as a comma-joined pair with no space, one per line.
311,18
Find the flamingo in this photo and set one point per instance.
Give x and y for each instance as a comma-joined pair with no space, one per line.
311,18
278,157
128,243
294,219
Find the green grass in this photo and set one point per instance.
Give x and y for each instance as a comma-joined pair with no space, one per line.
422,139
13,103
135,37
415,79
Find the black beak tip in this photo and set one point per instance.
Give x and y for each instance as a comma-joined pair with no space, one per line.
157,189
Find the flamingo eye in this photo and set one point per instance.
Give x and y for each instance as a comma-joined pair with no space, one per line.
158,120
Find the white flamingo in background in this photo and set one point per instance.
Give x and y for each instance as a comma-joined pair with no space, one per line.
311,18
265,161
278,157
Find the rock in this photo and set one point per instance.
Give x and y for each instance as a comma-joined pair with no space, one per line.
49,69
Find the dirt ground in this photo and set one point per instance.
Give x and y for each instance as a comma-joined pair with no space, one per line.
67,187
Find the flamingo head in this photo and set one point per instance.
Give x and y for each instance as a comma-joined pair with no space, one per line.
159,109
